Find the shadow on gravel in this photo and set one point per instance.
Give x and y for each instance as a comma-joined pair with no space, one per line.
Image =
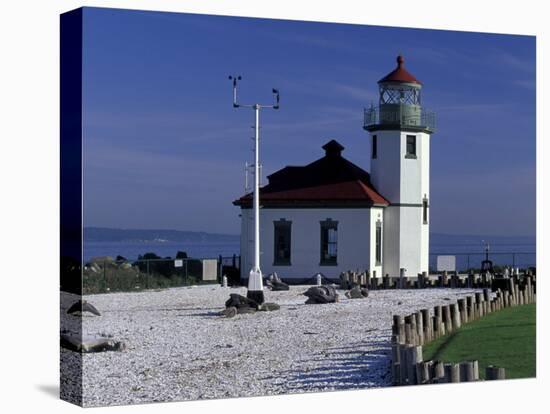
203,314
362,365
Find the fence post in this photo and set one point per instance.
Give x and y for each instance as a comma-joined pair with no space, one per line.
147,276
402,278
220,267
186,271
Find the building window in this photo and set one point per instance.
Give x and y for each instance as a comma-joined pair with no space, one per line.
411,146
425,210
281,256
374,147
378,248
329,242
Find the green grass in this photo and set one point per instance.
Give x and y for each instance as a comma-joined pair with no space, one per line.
505,339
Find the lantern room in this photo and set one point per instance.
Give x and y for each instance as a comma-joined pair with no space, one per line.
399,103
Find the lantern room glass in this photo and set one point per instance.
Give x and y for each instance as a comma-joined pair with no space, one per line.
402,94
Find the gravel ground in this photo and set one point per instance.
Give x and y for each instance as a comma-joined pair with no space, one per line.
179,348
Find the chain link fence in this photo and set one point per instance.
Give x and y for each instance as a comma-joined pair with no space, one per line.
472,261
103,275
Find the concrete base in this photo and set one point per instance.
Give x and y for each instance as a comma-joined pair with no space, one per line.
256,295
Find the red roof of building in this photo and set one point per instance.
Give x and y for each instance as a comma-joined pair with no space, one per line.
400,74
331,181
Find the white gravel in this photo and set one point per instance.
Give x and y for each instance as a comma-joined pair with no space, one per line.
179,348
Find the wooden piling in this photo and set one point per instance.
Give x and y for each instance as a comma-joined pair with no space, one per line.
447,318
467,371
413,358
419,328
408,331
414,330
462,310
438,322
470,307
444,279
476,370
428,327
438,371
452,373
494,373
398,328
455,316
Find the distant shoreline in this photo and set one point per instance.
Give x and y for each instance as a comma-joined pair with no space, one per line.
104,234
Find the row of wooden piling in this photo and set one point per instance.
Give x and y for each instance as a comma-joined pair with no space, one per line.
410,332
412,370
422,281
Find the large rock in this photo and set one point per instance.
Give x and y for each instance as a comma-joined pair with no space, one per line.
269,307
90,344
81,307
321,294
279,286
357,293
275,283
237,304
241,303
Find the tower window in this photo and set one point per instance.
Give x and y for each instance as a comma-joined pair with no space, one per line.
329,243
425,210
378,248
411,146
282,233
374,147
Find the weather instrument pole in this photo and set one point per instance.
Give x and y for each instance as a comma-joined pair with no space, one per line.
255,279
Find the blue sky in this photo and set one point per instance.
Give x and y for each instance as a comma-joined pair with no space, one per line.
165,149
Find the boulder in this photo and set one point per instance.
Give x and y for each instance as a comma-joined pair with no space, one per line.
241,303
230,312
269,307
357,293
82,306
274,282
90,344
321,294
279,286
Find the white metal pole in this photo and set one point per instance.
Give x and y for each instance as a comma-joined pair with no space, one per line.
255,278
255,282
256,192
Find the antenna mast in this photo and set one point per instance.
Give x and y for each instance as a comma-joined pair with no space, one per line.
255,278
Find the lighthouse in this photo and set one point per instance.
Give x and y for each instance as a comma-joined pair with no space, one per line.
400,130
330,216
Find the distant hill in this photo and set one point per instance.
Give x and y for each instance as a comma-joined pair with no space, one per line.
103,234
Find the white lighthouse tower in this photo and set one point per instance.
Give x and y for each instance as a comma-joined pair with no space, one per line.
400,132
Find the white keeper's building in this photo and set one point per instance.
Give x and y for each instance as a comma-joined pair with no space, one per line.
330,216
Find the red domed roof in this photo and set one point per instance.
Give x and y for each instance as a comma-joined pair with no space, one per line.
400,74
